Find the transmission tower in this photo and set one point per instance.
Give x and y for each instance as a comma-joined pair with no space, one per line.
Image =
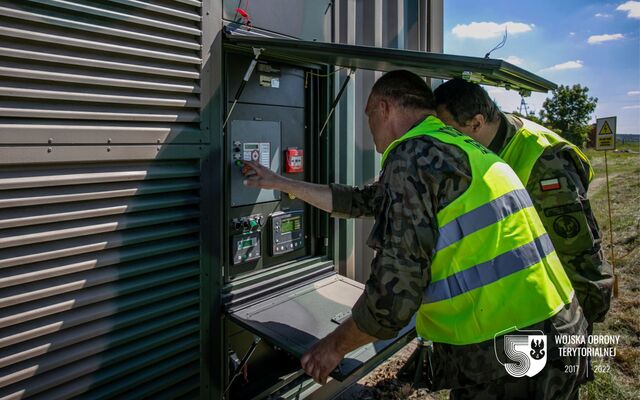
523,106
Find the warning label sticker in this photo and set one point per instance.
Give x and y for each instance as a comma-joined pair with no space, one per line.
605,130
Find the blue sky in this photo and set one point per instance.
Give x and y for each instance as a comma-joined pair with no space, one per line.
593,43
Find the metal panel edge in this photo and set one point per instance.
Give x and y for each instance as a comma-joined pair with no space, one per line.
493,70
212,334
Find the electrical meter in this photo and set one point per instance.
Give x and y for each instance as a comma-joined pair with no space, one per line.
245,247
287,232
257,152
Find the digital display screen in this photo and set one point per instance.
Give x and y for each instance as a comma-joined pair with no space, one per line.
290,224
251,146
243,244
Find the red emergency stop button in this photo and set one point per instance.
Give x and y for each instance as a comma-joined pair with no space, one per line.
294,160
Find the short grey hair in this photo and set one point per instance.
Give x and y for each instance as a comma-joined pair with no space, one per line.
405,89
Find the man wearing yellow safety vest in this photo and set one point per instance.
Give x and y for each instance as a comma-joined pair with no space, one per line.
555,173
459,245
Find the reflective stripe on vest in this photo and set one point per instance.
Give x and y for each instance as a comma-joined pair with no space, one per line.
494,268
528,144
490,271
482,217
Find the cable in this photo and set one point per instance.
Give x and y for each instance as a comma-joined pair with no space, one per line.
310,73
499,45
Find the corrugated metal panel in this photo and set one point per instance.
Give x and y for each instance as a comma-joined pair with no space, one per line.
70,23
101,148
100,282
83,62
49,74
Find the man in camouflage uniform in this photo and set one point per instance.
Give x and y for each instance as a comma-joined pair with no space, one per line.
562,204
427,174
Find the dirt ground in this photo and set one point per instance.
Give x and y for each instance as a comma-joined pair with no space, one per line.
620,380
382,384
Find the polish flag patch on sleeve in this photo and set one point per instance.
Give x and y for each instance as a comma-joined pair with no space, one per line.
550,184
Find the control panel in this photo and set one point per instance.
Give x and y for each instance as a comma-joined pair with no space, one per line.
287,231
257,141
258,152
246,247
270,126
246,244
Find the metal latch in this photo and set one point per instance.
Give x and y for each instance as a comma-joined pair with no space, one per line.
473,77
339,318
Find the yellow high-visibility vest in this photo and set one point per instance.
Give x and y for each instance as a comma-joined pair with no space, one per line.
495,269
528,144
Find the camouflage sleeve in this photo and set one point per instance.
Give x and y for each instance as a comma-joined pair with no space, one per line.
419,179
354,202
558,187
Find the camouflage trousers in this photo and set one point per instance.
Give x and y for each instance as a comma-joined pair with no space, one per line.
474,371
557,381
560,379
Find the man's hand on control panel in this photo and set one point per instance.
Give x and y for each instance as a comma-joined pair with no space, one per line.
259,177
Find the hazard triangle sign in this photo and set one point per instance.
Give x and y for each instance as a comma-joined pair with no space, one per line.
606,129
606,133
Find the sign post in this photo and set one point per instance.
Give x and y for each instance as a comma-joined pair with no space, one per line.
606,140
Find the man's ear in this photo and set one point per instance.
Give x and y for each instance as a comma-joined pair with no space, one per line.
477,122
385,108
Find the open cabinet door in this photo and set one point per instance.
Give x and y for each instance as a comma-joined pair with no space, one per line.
294,320
486,71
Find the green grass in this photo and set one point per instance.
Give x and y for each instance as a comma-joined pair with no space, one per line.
622,382
618,160
607,386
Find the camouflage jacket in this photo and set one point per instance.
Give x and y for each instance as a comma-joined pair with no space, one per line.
566,215
421,176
